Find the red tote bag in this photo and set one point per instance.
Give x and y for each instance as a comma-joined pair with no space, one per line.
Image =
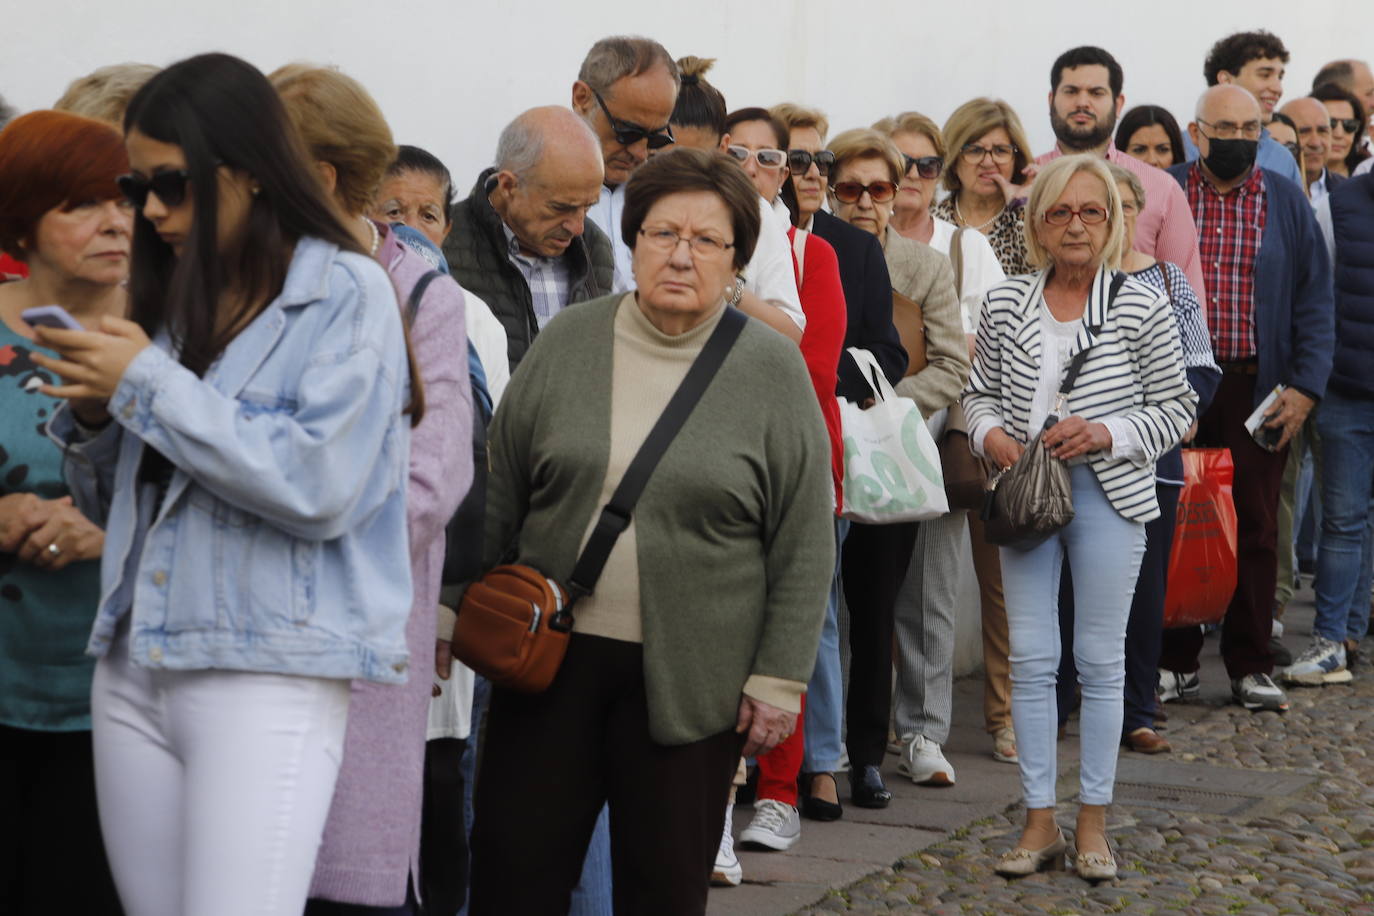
1202,564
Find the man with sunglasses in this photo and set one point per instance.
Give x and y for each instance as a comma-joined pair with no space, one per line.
625,91
1270,310
1085,100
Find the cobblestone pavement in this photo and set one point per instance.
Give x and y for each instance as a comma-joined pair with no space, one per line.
1268,813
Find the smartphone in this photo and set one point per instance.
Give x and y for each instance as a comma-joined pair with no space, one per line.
51,316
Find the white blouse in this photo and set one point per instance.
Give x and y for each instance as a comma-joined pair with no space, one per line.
981,268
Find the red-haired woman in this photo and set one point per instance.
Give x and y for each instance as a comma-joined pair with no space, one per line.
62,216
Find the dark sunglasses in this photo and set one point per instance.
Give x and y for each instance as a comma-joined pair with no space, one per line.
799,160
849,192
926,166
628,133
170,188
1350,125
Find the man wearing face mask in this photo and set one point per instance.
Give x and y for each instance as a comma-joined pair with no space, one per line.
1270,310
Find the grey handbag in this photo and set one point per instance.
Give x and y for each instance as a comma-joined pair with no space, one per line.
1033,499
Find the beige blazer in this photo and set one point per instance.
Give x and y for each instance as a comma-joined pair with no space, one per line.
926,277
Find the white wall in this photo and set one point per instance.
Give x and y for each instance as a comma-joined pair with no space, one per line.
450,73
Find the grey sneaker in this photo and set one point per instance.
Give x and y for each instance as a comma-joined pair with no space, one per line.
727,871
1322,662
776,826
1175,685
1258,691
924,763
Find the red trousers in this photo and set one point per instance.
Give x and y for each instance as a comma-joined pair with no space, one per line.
778,769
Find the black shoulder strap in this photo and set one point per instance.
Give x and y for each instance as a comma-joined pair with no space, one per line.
615,516
416,294
1079,358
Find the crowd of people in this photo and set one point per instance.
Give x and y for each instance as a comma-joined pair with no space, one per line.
301,392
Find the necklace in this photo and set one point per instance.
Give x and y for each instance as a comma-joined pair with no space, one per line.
963,221
377,236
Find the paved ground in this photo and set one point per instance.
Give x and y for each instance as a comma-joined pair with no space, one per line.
1252,814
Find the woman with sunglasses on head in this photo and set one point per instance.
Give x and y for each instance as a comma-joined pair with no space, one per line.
62,216
370,856
985,168
868,325
925,609
863,187
244,439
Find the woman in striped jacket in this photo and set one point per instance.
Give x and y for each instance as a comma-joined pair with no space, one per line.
1131,403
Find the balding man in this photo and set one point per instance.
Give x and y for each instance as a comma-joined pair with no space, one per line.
1313,124
1354,76
521,239
1269,308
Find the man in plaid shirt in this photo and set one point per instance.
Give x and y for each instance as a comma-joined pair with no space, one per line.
1270,310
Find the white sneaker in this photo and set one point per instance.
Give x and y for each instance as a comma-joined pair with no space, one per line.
776,826
1175,685
727,871
1322,662
923,762
1258,691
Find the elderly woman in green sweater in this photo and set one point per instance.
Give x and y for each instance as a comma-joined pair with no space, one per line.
703,628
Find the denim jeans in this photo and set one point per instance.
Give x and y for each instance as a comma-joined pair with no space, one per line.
1343,556
825,693
1105,550
593,894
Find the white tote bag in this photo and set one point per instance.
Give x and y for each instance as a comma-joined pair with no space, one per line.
891,464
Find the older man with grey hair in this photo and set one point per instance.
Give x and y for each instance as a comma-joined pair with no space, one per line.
521,239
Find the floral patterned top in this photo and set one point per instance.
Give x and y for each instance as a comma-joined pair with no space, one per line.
1006,234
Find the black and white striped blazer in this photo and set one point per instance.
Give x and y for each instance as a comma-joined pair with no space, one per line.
1134,370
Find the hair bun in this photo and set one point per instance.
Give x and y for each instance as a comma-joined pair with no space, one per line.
692,69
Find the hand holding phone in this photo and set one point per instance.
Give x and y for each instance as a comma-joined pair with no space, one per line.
51,316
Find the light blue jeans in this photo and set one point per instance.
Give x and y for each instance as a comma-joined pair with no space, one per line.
825,693
1104,551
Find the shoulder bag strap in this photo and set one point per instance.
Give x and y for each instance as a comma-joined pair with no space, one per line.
416,294
1079,358
615,516
956,260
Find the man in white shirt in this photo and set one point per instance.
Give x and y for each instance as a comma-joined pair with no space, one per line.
1313,124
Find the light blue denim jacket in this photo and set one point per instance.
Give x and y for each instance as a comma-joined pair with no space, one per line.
281,544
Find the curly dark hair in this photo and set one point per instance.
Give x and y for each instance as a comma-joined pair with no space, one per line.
1233,52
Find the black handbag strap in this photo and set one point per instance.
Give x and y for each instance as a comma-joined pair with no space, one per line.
417,292
1079,358
615,516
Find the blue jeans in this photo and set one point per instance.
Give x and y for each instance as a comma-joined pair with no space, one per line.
1344,567
825,692
592,896
1105,549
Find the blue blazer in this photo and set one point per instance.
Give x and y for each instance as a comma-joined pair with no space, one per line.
1294,309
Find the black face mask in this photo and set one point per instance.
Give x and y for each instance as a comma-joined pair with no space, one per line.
1229,159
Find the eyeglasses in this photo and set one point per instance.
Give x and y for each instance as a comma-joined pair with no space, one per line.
799,161
701,246
628,133
1349,125
926,166
768,158
1062,216
849,192
1229,130
170,188
1000,152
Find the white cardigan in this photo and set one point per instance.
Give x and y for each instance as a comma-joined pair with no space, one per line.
1134,371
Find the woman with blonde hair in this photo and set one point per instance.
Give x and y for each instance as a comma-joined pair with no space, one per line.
1129,404
985,168
370,854
105,93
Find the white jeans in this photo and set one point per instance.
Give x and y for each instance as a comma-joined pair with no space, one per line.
213,786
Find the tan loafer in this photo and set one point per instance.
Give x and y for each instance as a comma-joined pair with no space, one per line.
1094,866
1021,861
1147,741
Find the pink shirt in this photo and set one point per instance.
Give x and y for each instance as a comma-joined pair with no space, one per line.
1164,229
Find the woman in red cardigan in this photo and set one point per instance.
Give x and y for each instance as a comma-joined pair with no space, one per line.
758,141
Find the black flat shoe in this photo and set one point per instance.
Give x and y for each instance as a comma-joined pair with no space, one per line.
866,788
817,809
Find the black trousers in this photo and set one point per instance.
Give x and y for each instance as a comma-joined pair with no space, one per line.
52,857
873,565
549,763
1144,626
